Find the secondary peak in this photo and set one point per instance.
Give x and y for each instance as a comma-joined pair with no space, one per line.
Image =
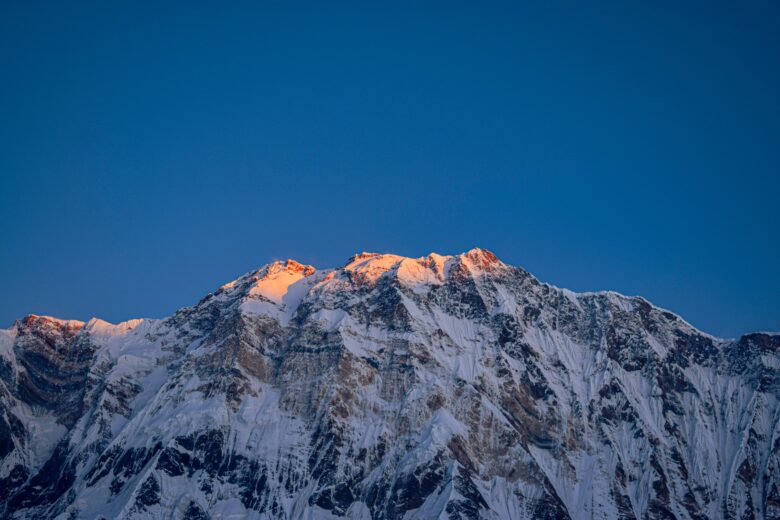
482,258
290,266
361,256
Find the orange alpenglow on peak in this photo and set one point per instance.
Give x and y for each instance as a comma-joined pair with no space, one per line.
34,320
361,256
482,258
274,281
291,266
476,258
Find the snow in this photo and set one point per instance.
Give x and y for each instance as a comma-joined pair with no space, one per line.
98,327
45,433
231,509
276,284
59,321
369,267
7,337
418,276
280,290
441,377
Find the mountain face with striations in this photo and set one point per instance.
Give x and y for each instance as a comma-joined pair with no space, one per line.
390,388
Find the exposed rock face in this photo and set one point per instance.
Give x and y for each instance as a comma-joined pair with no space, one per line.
440,387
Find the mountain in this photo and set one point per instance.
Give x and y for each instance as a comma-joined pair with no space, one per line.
439,387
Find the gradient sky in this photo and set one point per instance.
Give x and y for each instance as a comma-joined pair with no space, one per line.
150,153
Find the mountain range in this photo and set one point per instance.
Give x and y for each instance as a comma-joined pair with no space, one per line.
441,387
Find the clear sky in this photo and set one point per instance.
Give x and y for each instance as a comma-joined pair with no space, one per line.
150,152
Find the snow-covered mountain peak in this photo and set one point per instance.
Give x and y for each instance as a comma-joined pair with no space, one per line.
289,266
367,268
273,282
37,320
391,388
96,326
481,259
33,322
361,256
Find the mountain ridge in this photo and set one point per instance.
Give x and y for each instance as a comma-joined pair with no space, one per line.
391,387
435,257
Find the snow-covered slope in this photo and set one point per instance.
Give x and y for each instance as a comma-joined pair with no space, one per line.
437,387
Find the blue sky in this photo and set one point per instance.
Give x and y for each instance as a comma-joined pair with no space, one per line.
149,153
